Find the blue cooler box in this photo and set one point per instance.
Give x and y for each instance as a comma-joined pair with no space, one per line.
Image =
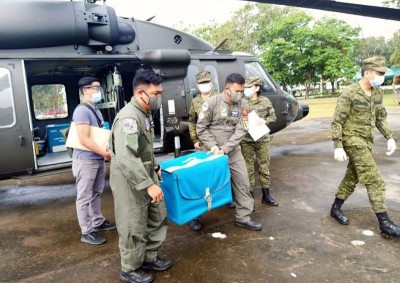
55,138
194,184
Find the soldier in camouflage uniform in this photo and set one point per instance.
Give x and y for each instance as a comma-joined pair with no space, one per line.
220,129
140,210
263,107
358,111
204,84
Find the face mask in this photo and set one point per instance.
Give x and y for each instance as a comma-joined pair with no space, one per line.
235,96
249,91
204,88
377,81
154,102
96,97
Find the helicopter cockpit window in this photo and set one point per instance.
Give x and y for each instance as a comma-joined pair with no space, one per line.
191,76
7,109
49,101
254,69
214,75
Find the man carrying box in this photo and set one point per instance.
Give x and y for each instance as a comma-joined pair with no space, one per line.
220,128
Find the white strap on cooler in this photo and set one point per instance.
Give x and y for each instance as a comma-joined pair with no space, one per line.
208,199
190,162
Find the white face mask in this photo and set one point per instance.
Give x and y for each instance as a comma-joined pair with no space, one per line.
96,97
249,91
377,81
204,88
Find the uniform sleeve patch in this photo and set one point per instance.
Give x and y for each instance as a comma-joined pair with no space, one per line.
130,126
201,115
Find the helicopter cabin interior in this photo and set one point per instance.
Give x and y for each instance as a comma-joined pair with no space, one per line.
54,94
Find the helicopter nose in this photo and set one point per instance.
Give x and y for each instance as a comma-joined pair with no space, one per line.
302,112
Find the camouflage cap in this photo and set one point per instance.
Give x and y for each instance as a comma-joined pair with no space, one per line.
203,77
376,63
252,81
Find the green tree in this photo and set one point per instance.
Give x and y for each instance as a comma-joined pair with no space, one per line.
335,43
395,44
374,46
287,53
293,47
303,51
239,31
391,3
50,97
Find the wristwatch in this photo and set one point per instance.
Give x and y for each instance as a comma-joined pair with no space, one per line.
157,168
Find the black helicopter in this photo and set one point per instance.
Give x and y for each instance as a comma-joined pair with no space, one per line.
47,46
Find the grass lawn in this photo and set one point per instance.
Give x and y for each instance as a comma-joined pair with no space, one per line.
324,107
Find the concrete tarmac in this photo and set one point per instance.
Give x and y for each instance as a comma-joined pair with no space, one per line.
300,242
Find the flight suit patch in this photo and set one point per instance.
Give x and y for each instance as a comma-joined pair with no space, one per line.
147,124
235,113
223,112
130,126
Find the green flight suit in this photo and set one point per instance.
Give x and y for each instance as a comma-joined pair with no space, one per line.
221,123
260,148
141,225
356,116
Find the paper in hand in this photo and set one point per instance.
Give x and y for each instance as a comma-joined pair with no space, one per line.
256,130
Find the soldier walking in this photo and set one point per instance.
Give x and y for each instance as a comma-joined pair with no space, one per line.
140,210
358,111
260,148
220,129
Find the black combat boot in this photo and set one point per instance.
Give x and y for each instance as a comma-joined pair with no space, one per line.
266,198
195,224
337,213
388,228
137,276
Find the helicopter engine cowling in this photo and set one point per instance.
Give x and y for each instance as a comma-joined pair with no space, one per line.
60,23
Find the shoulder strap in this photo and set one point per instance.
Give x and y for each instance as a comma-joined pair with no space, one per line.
94,112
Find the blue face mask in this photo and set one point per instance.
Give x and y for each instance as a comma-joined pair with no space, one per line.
96,97
377,81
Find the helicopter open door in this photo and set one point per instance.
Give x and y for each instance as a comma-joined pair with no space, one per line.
16,142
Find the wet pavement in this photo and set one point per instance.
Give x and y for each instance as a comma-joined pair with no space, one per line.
300,242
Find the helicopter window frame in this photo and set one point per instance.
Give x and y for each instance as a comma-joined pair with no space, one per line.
192,71
214,76
255,69
42,114
9,100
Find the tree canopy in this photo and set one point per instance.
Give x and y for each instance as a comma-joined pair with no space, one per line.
296,48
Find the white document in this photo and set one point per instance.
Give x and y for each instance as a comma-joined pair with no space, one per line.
256,129
98,135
